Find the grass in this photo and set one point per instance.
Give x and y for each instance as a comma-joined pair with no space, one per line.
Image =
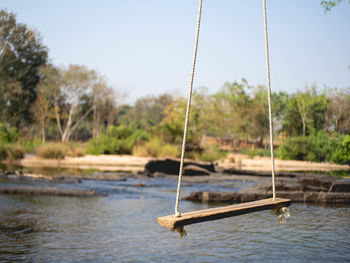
11,152
156,148
51,151
211,154
58,150
255,152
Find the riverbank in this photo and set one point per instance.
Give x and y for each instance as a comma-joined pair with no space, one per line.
98,162
136,164
244,162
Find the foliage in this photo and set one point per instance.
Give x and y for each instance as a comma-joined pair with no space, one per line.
22,53
8,135
156,147
29,146
316,148
328,5
10,152
255,152
52,151
147,112
342,151
211,154
305,113
116,140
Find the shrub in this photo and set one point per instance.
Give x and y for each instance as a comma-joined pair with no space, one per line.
341,154
8,135
76,151
156,147
116,140
52,151
255,152
316,148
11,152
29,146
212,153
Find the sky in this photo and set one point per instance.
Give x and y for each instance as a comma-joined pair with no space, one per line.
145,47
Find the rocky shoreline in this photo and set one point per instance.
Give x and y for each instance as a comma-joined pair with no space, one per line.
299,187
321,190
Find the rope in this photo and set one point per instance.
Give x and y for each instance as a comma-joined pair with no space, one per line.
188,111
269,103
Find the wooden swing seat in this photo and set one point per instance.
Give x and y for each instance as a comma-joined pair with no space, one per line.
172,222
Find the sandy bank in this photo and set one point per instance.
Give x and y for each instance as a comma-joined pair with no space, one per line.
136,164
243,162
98,162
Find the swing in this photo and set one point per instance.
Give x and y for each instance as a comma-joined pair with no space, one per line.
180,220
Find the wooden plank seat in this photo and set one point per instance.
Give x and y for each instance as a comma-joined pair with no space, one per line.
216,213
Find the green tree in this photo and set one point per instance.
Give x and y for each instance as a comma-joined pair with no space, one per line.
236,101
21,55
328,5
305,113
147,113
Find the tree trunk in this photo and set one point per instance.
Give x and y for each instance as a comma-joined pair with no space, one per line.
43,130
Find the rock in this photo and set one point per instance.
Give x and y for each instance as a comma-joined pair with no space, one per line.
248,196
338,198
317,182
258,173
195,170
139,185
38,190
340,186
171,166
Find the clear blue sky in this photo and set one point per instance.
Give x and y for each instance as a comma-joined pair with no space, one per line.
145,47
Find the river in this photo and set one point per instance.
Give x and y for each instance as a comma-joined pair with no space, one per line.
122,227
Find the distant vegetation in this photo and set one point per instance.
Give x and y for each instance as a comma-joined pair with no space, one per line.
42,103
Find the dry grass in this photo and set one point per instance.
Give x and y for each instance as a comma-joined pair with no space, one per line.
52,151
156,148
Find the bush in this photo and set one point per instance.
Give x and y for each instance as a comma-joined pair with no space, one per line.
8,135
11,152
341,154
210,154
29,146
316,148
255,152
116,140
52,151
156,147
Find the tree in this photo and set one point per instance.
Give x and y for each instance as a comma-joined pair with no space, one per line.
77,81
258,115
103,105
21,55
305,113
68,90
339,110
328,5
235,101
147,112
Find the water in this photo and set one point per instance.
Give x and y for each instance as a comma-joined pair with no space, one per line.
122,227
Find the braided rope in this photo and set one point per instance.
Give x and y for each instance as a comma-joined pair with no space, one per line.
188,111
269,103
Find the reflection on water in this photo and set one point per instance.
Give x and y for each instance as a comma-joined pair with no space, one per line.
282,214
122,227
181,230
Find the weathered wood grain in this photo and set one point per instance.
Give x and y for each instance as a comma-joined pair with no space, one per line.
216,213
